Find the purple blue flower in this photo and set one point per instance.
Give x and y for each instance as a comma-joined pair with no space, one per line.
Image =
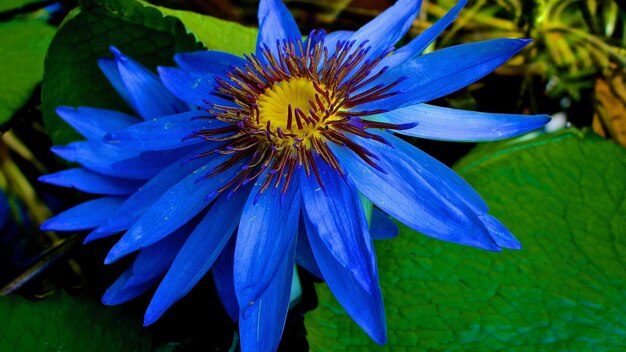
248,165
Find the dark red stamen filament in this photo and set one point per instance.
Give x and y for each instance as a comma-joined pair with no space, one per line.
340,81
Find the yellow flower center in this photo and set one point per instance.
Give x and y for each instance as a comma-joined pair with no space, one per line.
293,111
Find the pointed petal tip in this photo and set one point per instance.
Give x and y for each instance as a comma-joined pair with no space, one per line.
114,255
380,336
45,178
107,300
163,69
147,322
117,53
56,149
151,316
544,119
47,225
64,110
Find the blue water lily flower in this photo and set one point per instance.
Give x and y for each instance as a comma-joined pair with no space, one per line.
248,165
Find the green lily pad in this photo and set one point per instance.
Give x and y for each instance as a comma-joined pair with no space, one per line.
23,45
64,323
564,196
149,34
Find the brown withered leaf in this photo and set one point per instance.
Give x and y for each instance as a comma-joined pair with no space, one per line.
610,118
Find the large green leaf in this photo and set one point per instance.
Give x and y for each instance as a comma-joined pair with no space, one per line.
215,33
23,47
564,196
64,323
145,33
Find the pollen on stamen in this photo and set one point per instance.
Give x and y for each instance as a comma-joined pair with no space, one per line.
288,107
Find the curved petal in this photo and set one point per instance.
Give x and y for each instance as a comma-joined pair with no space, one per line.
416,46
168,132
382,226
94,123
419,191
262,322
304,253
268,227
146,270
191,87
365,306
173,209
112,73
148,96
448,124
91,182
84,216
387,28
148,194
115,161
333,38
503,237
224,282
444,71
275,24
118,293
208,62
198,253
153,261
333,210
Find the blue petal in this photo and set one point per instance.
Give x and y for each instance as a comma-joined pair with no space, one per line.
332,39
115,161
146,270
164,133
333,210
444,71
153,261
208,62
224,283
267,229
84,216
91,182
262,322
364,306
416,46
387,28
148,96
503,237
275,24
382,226
191,87
173,209
447,124
94,123
118,293
112,73
419,191
198,253
96,156
147,195
304,253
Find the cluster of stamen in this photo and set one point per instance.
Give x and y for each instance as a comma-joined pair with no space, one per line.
290,103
